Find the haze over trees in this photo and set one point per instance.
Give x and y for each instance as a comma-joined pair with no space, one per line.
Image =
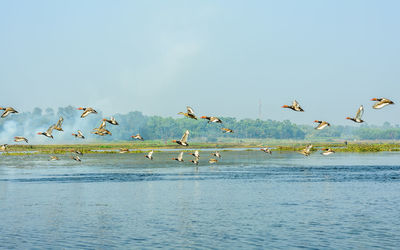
164,128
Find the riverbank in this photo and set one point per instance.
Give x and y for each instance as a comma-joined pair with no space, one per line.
140,147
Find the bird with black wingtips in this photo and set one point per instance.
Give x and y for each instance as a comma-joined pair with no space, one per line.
295,106
76,158
7,111
189,113
196,154
322,124
266,150
48,132
150,155
137,137
358,116
183,140
307,150
59,124
212,119
179,158
381,102
79,135
20,138
87,111
111,121
227,130
216,154
327,151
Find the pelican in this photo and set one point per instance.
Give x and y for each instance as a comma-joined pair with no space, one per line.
183,140
87,111
307,150
20,138
322,124
180,157
150,155
212,119
59,124
189,113
359,114
295,106
381,102
7,111
48,132
79,135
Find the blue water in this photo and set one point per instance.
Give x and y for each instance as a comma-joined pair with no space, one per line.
247,200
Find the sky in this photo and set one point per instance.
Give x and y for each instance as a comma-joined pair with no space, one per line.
222,58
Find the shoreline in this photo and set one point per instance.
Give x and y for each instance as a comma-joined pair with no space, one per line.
109,148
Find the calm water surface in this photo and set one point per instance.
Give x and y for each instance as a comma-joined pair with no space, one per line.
247,200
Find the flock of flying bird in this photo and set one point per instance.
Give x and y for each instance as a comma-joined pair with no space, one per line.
102,130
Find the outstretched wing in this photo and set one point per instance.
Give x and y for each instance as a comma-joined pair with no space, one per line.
360,112
295,104
190,110
308,148
150,153
50,129
60,122
102,125
180,156
80,133
185,136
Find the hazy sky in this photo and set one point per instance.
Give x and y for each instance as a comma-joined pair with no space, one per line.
220,57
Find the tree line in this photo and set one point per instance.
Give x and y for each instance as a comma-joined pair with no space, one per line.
165,128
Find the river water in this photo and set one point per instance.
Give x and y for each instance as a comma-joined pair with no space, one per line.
247,200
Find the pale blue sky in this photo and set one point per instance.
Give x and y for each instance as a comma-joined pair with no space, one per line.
220,57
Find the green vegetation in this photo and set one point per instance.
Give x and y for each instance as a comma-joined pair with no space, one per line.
112,148
160,130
